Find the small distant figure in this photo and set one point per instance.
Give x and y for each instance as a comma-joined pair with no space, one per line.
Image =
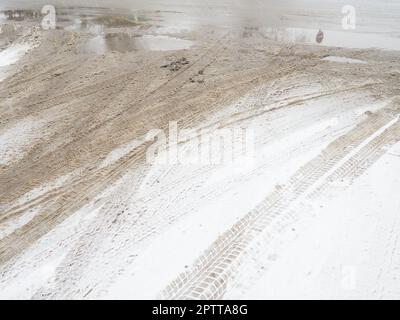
320,36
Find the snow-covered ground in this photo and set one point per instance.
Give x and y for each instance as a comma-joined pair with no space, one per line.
347,249
10,56
132,244
311,211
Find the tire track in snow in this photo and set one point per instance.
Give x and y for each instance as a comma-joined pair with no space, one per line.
209,276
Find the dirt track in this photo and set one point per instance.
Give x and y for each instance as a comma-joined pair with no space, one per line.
76,107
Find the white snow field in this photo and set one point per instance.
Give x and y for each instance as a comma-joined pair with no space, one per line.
346,251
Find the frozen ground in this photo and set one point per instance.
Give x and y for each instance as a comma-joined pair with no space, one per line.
351,244
309,211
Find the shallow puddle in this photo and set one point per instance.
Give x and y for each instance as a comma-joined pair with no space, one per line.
122,42
97,22
175,19
343,39
95,19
